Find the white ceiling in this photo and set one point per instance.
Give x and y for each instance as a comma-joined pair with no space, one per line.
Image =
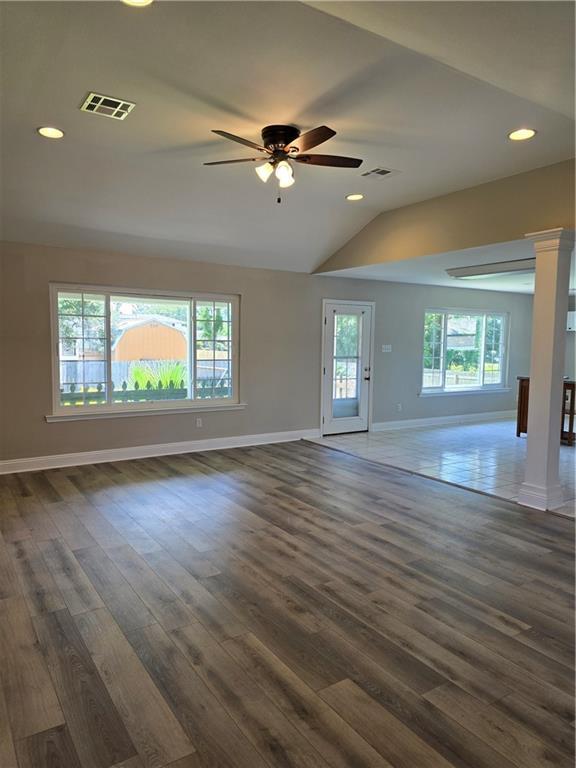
431,270
524,48
430,91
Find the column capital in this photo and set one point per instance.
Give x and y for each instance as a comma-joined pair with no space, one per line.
559,238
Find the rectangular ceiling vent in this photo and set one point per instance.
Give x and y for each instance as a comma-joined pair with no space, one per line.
378,172
107,106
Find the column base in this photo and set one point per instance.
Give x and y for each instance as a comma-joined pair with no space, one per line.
541,497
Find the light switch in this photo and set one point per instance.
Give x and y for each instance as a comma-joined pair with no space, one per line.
386,347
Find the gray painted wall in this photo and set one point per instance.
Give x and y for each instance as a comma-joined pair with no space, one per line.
400,322
280,348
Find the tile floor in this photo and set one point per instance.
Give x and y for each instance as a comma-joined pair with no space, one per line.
485,456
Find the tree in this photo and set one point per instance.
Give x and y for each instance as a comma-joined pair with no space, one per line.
208,324
80,315
346,336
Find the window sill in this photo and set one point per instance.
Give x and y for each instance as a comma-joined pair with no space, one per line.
452,392
160,411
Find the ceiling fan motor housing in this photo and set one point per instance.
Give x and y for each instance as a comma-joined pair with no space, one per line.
282,143
278,136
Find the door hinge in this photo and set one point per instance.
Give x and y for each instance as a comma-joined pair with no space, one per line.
324,371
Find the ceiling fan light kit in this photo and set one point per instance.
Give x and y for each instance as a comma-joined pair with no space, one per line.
264,171
284,173
284,143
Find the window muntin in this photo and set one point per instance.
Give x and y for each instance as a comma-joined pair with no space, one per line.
494,350
346,365
138,351
213,350
347,344
463,369
433,370
463,351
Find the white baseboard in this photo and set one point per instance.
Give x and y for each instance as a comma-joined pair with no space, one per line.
438,421
36,463
541,497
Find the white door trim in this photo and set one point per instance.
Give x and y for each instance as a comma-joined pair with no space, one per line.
372,306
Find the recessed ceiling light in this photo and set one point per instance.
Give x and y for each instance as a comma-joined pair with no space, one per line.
355,196
49,132
522,134
138,3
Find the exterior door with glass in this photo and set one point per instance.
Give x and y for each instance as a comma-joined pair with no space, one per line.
347,367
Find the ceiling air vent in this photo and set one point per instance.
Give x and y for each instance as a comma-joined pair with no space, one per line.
375,172
107,106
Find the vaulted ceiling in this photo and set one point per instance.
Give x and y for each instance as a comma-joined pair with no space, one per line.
429,90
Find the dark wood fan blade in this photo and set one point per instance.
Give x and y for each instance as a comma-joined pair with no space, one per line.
244,160
336,161
240,140
311,139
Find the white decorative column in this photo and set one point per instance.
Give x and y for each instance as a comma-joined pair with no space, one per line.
541,488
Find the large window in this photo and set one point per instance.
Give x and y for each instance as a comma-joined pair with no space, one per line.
136,351
463,351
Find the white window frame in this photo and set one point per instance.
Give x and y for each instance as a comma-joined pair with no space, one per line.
62,412
441,389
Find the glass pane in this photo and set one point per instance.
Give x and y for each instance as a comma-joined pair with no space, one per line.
94,327
70,348
493,350
346,367
224,309
70,326
69,303
204,329
204,310
71,372
94,371
213,349
346,335
223,330
205,349
94,349
94,393
94,304
463,351
433,351
150,348
222,369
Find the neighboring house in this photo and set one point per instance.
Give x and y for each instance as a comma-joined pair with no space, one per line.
154,338
151,338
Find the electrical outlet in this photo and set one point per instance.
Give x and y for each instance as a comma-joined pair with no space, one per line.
198,422
386,347
399,407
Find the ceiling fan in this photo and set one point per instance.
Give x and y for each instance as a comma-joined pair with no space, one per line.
283,143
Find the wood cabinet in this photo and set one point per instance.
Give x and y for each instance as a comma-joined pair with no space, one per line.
568,409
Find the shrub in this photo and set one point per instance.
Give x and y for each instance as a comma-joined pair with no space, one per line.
157,374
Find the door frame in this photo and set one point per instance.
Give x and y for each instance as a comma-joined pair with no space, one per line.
360,303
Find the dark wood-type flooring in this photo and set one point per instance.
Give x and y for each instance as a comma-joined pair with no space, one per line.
275,607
